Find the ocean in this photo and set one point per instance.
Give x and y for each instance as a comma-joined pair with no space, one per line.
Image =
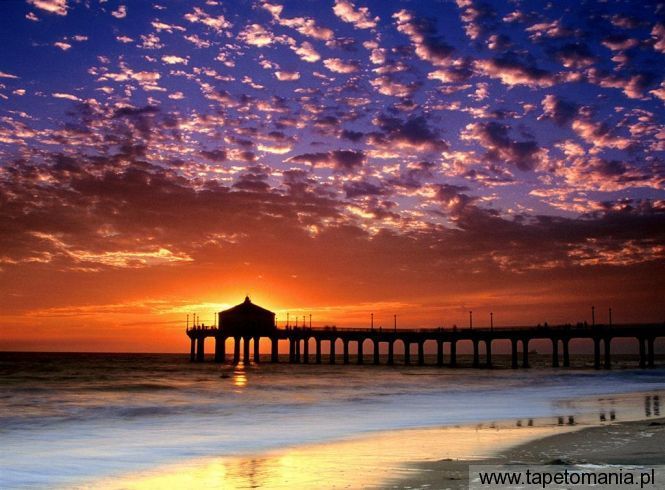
68,419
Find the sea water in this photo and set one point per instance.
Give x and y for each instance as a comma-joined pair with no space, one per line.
69,418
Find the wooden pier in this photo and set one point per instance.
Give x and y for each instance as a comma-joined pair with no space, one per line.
248,322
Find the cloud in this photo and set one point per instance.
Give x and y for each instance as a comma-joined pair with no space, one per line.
340,160
586,173
378,56
354,136
494,137
360,18
197,41
355,189
658,35
633,86
218,24
307,52
338,65
62,45
174,60
458,72
625,21
161,26
415,175
150,41
513,72
217,155
287,76
476,17
453,199
552,29
120,258
58,7
574,55
619,42
304,25
388,85
256,35
59,95
599,134
275,148
143,228
178,143
148,80
560,111
130,259
253,179
596,252
413,134
120,12
659,92
429,46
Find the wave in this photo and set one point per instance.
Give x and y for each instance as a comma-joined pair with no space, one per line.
131,387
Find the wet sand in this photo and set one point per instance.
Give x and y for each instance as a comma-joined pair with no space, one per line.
367,461
440,458
624,429
637,443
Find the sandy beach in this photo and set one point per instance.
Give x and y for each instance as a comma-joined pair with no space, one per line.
367,461
439,457
637,443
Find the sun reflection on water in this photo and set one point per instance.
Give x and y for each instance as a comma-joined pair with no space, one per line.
239,376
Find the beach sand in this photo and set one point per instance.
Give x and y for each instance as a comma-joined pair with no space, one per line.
431,458
637,443
440,458
366,461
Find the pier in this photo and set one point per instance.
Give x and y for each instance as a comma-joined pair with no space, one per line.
248,322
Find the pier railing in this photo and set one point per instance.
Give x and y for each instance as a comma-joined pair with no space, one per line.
498,329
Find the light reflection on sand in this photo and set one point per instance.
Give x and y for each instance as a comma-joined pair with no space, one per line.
354,463
371,460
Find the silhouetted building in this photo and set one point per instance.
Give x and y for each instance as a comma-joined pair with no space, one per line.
247,320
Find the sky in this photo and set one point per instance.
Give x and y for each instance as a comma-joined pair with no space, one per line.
335,158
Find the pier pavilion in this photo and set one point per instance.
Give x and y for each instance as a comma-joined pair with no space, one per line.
249,322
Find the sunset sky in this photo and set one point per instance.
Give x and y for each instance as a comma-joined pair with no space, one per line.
338,158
